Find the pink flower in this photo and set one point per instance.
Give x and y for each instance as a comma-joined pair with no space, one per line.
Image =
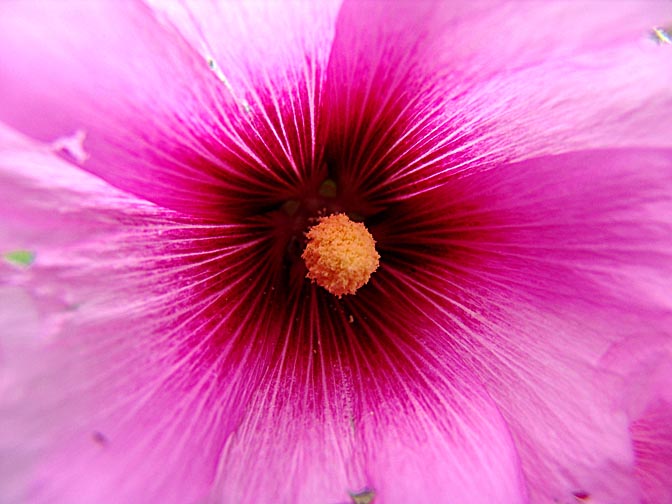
160,164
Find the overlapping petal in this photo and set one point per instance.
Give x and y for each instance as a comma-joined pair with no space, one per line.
116,395
155,116
440,87
276,44
272,58
393,427
645,363
531,272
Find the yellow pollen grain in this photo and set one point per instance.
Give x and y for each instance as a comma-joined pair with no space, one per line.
340,254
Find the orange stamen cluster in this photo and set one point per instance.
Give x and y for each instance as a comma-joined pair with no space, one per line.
340,255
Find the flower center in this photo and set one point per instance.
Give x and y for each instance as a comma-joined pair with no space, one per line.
340,254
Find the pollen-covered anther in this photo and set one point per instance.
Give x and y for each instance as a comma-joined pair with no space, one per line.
340,254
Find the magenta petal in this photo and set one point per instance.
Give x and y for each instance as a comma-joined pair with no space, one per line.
111,390
476,40
270,58
616,97
256,44
428,434
443,86
151,114
542,266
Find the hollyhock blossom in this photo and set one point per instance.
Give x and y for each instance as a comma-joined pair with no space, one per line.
163,165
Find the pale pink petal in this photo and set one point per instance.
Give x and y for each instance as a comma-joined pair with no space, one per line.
114,387
435,87
531,271
154,115
20,320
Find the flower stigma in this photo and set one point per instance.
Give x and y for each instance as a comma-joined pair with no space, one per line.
340,255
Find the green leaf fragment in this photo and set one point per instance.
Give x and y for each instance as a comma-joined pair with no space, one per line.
20,257
364,497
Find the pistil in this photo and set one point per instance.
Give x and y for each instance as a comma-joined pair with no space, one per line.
340,255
